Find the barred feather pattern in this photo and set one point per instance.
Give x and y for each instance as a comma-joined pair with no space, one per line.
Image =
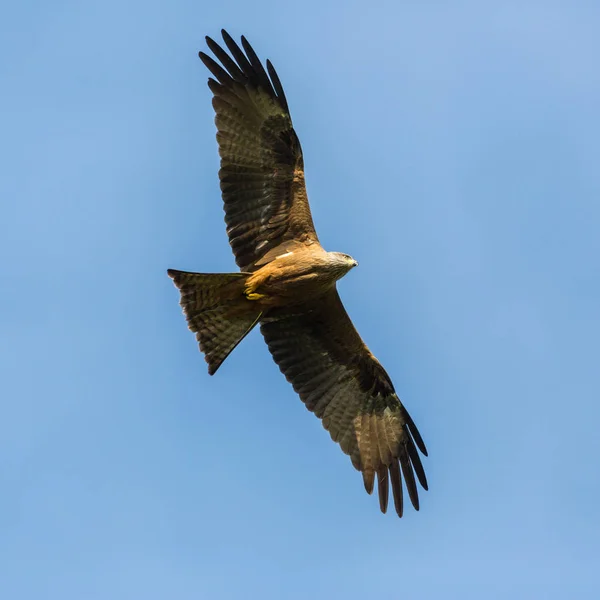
262,170
341,382
216,311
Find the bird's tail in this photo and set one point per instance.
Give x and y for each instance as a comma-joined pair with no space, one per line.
216,310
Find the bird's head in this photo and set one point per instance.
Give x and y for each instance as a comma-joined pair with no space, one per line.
342,262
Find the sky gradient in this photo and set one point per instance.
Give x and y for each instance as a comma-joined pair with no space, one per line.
452,149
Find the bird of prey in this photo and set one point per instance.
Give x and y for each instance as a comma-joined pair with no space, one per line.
287,281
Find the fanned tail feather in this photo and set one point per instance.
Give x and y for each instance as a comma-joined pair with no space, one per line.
216,311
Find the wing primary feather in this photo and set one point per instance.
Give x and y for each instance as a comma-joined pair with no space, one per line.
241,58
215,87
369,480
216,69
226,60
414,431
278,87
396,478
260,70
409,478
383,488
416,462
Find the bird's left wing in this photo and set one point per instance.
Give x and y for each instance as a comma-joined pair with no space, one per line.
322,355
262,170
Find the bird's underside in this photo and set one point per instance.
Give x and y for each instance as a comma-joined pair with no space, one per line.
287,282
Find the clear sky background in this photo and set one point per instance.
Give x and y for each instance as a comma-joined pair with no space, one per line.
452,148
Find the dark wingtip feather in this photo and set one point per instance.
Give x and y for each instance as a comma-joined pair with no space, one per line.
215,68
261,74
229,64
215,86
396,478
416,462
414,431
245,67
369,481
409,479
204,57
227,38
239,56
278,87
383,488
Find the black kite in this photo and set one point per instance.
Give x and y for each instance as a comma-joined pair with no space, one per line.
287,282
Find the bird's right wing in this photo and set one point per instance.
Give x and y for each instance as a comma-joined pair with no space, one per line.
262,171
322,355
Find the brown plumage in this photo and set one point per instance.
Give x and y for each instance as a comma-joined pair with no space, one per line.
287,282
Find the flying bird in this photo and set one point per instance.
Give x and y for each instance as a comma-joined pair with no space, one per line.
287,281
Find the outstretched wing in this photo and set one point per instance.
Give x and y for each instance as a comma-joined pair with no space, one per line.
322,355
262,171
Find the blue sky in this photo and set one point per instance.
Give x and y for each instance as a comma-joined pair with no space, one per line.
452,148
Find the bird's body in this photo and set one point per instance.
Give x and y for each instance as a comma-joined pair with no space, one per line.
287,281
295,276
